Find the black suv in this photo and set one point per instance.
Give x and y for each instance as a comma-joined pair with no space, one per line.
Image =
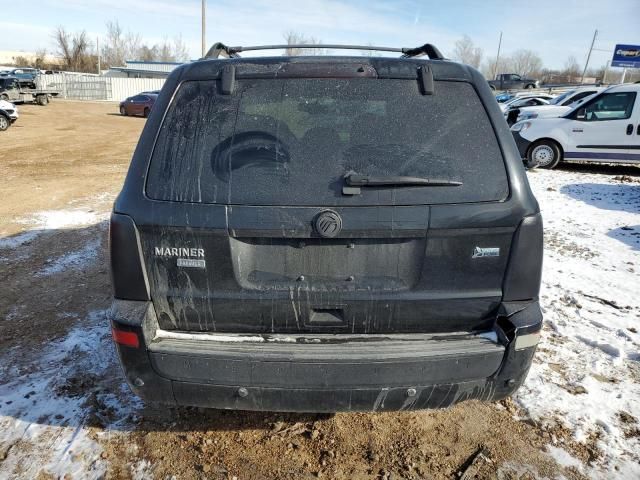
325,234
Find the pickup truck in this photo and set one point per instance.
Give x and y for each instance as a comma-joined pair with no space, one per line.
26,76
512,81
12,91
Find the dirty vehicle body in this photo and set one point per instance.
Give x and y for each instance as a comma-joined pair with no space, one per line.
325,234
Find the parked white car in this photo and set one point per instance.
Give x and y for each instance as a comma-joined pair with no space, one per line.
605,128
513,110
8,114
520,98
560,105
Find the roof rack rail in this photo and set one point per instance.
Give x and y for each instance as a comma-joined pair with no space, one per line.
219,49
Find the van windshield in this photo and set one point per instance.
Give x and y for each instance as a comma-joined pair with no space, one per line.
292,141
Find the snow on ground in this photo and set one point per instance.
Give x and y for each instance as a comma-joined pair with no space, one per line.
586,373
57,219
75,260
51,220
53,399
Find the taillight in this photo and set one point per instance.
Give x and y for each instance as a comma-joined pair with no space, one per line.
129,339
127,273
524,272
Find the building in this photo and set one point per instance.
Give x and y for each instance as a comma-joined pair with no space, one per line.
141,69
12,57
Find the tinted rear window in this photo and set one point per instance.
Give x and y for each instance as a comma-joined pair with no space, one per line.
291,142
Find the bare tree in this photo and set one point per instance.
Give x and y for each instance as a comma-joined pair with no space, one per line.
597,72
74,50
165,51
180,51
171,51
22,61
571,68
505,65
295,38
148,54
526,63
466,52
119,45
40,61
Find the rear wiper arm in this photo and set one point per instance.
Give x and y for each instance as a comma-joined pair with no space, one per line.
354,182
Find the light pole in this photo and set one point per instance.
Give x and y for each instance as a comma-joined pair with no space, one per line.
98,53
204,46
595,34
495,68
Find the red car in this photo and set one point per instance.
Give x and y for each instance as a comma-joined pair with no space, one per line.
140,104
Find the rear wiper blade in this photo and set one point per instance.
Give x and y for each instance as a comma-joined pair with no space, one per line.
355,181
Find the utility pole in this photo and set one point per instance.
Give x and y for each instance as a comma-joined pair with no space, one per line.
98,52
595,34
495,67
204,45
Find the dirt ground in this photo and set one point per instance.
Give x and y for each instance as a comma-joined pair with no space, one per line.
73,156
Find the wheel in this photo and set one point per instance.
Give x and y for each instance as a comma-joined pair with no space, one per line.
42,100
123,111
4,123
4,97
529,86
146,112
544,154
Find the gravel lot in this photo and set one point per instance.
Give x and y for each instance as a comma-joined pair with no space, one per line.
65,412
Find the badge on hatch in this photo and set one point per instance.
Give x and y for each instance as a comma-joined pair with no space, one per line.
328,224
480,252
191,263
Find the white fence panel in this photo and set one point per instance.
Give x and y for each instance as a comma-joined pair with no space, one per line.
122,88
95,87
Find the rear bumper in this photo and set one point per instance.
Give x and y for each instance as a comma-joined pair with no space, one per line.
326,373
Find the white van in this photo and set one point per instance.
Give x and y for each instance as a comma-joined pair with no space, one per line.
560,105
605,128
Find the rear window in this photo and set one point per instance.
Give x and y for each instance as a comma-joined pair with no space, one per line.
291,142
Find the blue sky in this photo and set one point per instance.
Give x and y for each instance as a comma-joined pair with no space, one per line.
554,29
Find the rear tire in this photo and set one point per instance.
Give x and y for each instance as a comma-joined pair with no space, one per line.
42,100
146,112
4,97
5,123
544,154
529,86
123,111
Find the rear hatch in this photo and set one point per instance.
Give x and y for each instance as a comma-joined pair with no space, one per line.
252,230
